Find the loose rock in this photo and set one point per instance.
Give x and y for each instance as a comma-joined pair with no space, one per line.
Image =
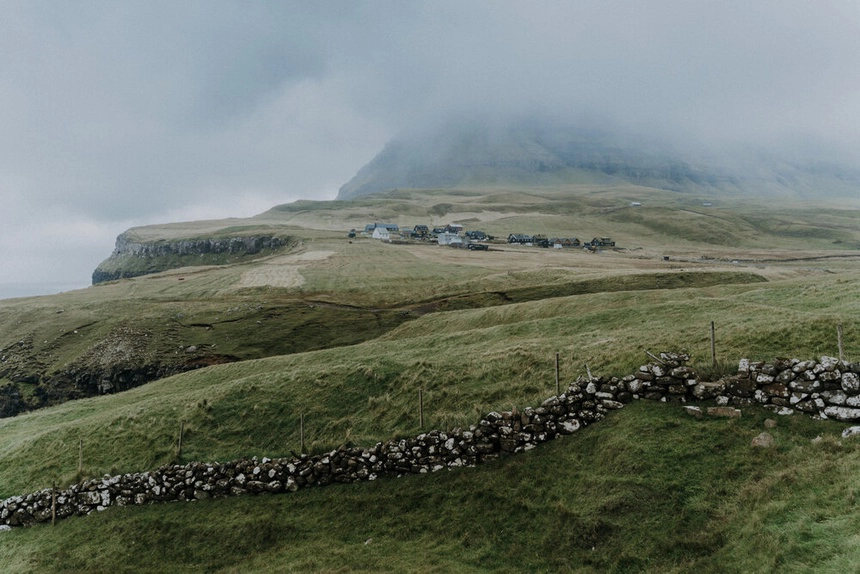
764,440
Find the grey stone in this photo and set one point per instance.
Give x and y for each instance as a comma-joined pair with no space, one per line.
781,410
728,412
802,366
704,391
797,397
829,363
764,440
693,411
570,426
834,397
850,382
777,390
683,373
842,413
741,387
805,386
808,375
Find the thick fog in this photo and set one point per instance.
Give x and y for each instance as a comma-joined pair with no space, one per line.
114,114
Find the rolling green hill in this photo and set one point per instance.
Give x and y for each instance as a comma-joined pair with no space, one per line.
330,291
343,332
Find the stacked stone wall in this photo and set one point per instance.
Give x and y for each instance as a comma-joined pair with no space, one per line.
827,388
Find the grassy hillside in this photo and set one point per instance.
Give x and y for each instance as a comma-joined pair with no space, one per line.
647,490
345,333
468,362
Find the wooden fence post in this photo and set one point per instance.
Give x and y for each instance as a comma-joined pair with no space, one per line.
713,346
557,383
181,432
839,341
54,503
302,433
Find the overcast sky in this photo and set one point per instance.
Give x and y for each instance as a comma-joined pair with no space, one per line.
122,113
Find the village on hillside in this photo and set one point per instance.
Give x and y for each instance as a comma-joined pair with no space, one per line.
453,235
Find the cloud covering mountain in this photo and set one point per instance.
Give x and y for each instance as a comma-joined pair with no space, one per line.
533,152
120,114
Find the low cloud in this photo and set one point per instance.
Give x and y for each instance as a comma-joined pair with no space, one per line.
128,113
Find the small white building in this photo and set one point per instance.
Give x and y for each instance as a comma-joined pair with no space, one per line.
449,239
382,233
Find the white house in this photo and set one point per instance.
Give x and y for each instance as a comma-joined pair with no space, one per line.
450,239
382,233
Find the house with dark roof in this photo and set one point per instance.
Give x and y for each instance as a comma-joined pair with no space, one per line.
519,238
601,242
389,226
565,242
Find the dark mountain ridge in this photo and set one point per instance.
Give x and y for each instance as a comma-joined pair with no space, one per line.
474,153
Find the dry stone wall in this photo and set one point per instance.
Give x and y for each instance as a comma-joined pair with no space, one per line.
827,388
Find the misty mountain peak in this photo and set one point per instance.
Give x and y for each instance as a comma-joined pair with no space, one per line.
539,153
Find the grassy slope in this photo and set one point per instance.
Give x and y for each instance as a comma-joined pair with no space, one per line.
468,362
648,489
602,488
364,275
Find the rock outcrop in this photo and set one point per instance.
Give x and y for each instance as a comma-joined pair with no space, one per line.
132,258
119,361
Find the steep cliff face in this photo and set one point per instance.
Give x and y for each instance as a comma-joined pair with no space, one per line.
133,258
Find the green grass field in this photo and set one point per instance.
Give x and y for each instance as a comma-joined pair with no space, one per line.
647,490
345,333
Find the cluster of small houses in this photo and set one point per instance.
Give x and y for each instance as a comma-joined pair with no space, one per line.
453,235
